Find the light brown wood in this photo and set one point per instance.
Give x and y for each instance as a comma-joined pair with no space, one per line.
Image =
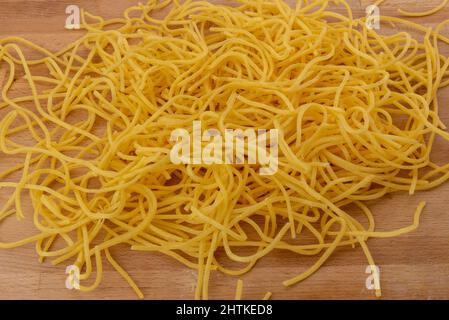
414,266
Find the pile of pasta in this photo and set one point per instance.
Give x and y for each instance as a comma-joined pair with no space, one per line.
357,113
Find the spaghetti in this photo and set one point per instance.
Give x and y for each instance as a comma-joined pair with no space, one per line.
357,112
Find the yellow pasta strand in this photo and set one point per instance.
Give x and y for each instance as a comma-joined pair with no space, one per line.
267,296
239,290
424,13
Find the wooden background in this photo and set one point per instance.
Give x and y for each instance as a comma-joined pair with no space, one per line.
414,266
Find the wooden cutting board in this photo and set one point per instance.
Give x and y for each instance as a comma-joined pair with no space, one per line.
414,266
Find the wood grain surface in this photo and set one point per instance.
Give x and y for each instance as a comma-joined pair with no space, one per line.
414,266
